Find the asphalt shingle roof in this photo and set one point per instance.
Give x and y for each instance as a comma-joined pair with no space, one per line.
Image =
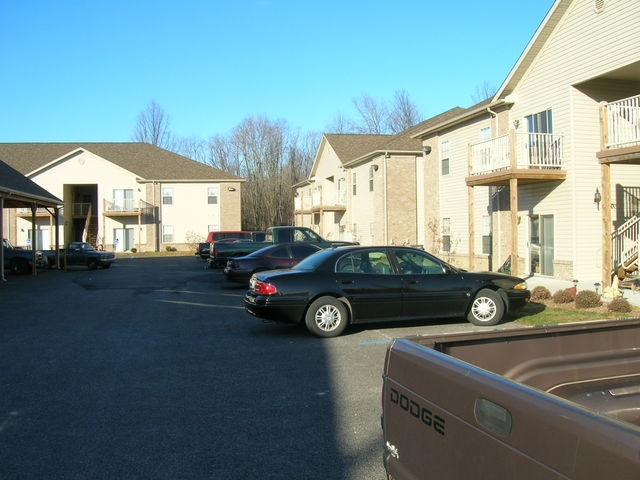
143,159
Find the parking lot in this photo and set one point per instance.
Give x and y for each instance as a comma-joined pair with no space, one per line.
152,369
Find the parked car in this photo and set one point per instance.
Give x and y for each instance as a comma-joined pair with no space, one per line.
278,256
346,285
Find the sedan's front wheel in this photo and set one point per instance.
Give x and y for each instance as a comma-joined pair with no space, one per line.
326,317
487,308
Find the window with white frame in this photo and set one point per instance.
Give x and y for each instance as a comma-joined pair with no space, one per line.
213,228
444,157
486,235
372,169
212,195
167,234
354,183
446,234
167,196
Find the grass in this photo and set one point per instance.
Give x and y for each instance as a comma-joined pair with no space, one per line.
547,313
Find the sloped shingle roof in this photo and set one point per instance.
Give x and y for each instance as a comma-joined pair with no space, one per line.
18,190
143,159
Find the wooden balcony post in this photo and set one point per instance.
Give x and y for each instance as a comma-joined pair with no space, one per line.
513,203
607,267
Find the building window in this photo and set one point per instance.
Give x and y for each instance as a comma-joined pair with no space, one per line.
353,183
446,234
213,228
486,235
167,234
371,170
167,196
541,122
444,157
212,195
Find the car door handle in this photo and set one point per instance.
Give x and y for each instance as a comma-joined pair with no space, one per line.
347,282
412,282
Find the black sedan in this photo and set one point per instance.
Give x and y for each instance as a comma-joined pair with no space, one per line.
348,285
276,256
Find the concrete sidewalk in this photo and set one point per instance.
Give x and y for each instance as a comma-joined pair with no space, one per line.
553,284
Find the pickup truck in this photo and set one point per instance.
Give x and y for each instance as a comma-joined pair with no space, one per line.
80,253
559,402
17,260
221,251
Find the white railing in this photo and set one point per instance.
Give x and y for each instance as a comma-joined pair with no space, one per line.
531,150
122,205
322,198
624,241
623,122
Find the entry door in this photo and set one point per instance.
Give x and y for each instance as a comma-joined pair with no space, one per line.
123,239
546,244
541,244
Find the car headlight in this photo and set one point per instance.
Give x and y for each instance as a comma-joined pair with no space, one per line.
521,286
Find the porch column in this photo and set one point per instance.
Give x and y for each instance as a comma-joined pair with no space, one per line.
513,203
607,267
472,234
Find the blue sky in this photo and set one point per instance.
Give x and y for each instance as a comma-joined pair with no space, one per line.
84,70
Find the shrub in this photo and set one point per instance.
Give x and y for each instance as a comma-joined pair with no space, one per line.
134,250
619,305
587,299
540,293
562,296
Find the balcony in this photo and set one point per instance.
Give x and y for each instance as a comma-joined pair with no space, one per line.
26,212
620,122
127,208
325,202
527,157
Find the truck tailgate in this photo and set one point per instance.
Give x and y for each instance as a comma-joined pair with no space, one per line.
446,418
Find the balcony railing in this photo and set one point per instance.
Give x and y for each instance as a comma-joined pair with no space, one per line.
327,201
517,151
27,211
622,120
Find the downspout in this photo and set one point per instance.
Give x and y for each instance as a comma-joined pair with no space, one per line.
385,206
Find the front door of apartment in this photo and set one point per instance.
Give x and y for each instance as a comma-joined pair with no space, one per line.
541,244
123,239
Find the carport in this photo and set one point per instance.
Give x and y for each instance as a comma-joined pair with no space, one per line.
17,191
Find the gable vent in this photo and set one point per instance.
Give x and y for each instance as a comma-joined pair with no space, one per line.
598,5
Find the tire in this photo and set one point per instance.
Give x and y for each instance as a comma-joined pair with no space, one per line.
92,264
19,266
326,317
486,309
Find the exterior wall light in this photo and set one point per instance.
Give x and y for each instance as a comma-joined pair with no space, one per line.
597,198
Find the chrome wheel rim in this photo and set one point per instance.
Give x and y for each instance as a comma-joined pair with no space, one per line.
328,318
484,309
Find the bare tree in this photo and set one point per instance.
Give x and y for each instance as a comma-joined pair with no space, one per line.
483,92
403,113
372,115
152,126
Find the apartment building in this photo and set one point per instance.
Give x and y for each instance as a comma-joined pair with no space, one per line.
120,196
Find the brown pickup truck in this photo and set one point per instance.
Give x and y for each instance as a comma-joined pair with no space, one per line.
559,402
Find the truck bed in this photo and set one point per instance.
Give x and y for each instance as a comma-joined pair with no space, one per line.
558,402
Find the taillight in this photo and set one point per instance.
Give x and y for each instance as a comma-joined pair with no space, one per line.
263,288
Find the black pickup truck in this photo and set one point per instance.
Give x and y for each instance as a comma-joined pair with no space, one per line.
17,260
79,253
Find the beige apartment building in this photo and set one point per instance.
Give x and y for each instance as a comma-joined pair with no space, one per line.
541,179
121,196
